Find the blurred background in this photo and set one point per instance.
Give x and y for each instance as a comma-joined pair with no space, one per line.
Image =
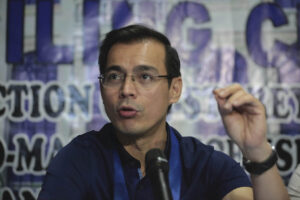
49,91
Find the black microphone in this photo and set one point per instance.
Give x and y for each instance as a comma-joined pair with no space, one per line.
157,169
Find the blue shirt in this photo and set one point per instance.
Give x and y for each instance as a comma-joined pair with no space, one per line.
83,169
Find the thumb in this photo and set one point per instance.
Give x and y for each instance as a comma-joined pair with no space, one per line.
221,105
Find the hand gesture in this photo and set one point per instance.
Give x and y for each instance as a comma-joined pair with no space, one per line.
245,121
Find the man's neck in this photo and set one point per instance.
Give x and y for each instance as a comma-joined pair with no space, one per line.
139,146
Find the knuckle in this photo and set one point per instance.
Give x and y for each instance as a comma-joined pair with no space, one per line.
237,85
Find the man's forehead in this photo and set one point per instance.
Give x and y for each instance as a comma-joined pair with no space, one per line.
152,41
156,54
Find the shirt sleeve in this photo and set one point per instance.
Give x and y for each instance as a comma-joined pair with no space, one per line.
225,174
209,174
64,179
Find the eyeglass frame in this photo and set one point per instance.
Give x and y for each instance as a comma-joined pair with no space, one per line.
123,78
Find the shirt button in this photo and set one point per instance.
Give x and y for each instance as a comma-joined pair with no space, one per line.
141,187
132,164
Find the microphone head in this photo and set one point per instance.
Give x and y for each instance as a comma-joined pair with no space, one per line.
156,159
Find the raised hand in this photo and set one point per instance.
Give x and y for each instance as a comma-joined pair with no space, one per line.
245,121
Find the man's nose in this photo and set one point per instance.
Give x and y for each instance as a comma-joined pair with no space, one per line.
128,88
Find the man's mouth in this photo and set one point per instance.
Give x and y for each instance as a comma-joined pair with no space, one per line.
127,112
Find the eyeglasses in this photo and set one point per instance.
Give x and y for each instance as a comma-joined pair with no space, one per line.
114,79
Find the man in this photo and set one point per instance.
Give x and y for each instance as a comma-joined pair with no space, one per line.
140,80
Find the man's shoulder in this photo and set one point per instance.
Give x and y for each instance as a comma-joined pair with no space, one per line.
194,152
212,170
84,148
101,137
87,143
192,145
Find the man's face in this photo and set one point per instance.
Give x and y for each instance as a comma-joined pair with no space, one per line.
133,108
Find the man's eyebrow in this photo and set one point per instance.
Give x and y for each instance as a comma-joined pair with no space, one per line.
145,68
113,68
136,69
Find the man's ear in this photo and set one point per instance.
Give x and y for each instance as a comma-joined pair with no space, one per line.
175,90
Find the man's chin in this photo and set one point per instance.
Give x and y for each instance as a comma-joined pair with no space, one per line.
128,130
128,136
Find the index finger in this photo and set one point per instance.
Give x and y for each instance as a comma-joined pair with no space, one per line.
228,90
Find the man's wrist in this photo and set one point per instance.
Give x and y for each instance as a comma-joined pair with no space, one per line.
260,167
259,153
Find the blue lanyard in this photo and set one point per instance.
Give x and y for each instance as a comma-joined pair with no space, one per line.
120,189
175,169
175,172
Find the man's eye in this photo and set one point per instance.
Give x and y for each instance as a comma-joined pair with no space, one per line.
113,76
145,77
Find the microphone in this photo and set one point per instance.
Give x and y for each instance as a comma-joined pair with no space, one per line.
157,168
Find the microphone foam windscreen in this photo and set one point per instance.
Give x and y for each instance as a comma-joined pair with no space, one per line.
156,159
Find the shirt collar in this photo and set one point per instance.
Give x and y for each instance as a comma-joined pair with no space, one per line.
126,158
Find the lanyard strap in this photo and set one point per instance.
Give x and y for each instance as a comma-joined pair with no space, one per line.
175,172
120,189
175,169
